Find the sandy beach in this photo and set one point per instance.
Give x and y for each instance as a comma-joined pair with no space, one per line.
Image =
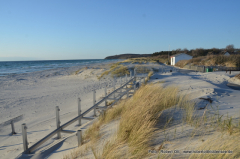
178,135
32,98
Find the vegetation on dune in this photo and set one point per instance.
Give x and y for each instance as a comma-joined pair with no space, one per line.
182,63
213,60
148,76
237,76
230,144
138,117
164,56
220,141
78,71
140,60
118,69
142,69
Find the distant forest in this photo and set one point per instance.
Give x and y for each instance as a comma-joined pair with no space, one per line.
194,52
200,51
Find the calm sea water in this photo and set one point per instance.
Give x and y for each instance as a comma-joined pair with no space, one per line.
17,67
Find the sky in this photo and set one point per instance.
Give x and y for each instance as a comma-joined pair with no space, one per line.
94,29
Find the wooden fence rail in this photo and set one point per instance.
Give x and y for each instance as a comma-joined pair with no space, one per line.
60,128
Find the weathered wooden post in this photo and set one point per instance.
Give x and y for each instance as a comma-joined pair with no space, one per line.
24,135
79,111
13,129
135,73
58,122
79,136
94,102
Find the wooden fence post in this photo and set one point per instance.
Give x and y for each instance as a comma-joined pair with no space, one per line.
94,101
13,129
58,122
24,136
126,81
79,111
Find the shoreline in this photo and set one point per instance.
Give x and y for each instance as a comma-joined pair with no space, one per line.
35,95
23,67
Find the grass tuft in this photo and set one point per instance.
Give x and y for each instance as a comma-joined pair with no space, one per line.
143,69
120,71
141,114
138,117
116,69
230,144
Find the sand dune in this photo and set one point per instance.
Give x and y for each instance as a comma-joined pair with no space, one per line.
34,96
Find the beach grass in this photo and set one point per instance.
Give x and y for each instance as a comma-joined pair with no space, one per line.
138,116
120,71
212,60
237,76
143,60
142,69
117,70
229,145
78,71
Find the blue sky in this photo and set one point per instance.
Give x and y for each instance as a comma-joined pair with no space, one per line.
94,29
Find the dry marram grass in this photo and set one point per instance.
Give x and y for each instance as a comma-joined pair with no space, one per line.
213,60
225,143
138,117
142,69
116,70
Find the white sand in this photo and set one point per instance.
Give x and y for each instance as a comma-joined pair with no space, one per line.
184,136
197,85
35,96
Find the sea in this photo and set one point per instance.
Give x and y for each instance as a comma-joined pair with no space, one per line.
18,67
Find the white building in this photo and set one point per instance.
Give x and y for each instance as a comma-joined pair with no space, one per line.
177,57
226,54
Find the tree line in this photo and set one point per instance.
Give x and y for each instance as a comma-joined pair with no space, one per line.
200,51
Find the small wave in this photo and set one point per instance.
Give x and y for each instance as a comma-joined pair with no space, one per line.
19,67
